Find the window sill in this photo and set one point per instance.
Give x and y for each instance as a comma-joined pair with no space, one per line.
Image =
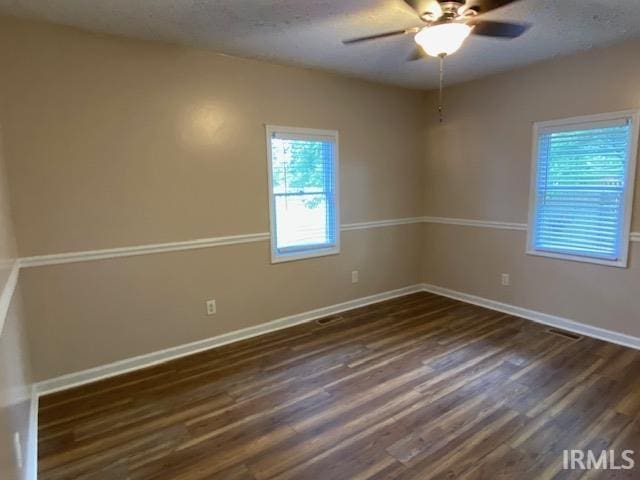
292,257
577,258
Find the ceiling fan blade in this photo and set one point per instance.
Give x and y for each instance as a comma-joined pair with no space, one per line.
417,54
379,35
489,28
483,6
422,6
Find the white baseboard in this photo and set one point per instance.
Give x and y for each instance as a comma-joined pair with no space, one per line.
135,363
539,317
142,361
31,457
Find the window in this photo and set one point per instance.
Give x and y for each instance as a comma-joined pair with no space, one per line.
303,191
582,188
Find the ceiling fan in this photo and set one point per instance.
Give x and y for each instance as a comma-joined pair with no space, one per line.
447,24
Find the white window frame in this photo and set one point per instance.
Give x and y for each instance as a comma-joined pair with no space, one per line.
311,252
577,122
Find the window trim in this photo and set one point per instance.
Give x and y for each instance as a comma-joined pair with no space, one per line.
312,251
634,117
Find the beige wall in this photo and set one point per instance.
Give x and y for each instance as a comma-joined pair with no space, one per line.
15,378
117,142
114,142
477,166
92,313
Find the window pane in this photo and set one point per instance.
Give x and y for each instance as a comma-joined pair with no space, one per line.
302,220
300,166
580,190
304,208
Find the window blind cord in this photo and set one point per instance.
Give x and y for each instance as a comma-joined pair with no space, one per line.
286,185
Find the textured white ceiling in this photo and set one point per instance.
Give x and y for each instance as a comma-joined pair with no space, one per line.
309,32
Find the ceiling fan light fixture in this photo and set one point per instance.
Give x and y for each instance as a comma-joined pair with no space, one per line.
443,39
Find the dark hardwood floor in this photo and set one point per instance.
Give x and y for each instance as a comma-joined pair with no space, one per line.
418,387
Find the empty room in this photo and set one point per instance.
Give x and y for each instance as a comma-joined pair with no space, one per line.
319,239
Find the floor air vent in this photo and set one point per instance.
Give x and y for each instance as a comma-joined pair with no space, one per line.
560,333
327,320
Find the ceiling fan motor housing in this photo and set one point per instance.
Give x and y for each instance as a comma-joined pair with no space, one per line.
449,11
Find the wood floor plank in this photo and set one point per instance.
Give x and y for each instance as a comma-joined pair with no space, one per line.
417,387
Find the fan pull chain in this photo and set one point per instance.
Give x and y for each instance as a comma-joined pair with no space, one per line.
440,94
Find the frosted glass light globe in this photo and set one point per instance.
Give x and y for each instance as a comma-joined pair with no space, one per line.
443,39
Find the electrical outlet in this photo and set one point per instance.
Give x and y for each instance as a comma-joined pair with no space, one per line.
355,276
506,281
211,307
17,448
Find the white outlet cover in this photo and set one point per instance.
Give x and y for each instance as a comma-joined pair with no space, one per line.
211,307
355,276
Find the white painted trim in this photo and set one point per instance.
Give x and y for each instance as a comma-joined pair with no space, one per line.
89,255
539,317
611,117
587,121
7,292
31,463
476,223
578,258
332,136
117,368
85,256
634,236
304,254
302,132
135,363
107,253
381,223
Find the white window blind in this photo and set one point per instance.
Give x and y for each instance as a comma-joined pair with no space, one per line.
303,189
582,189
